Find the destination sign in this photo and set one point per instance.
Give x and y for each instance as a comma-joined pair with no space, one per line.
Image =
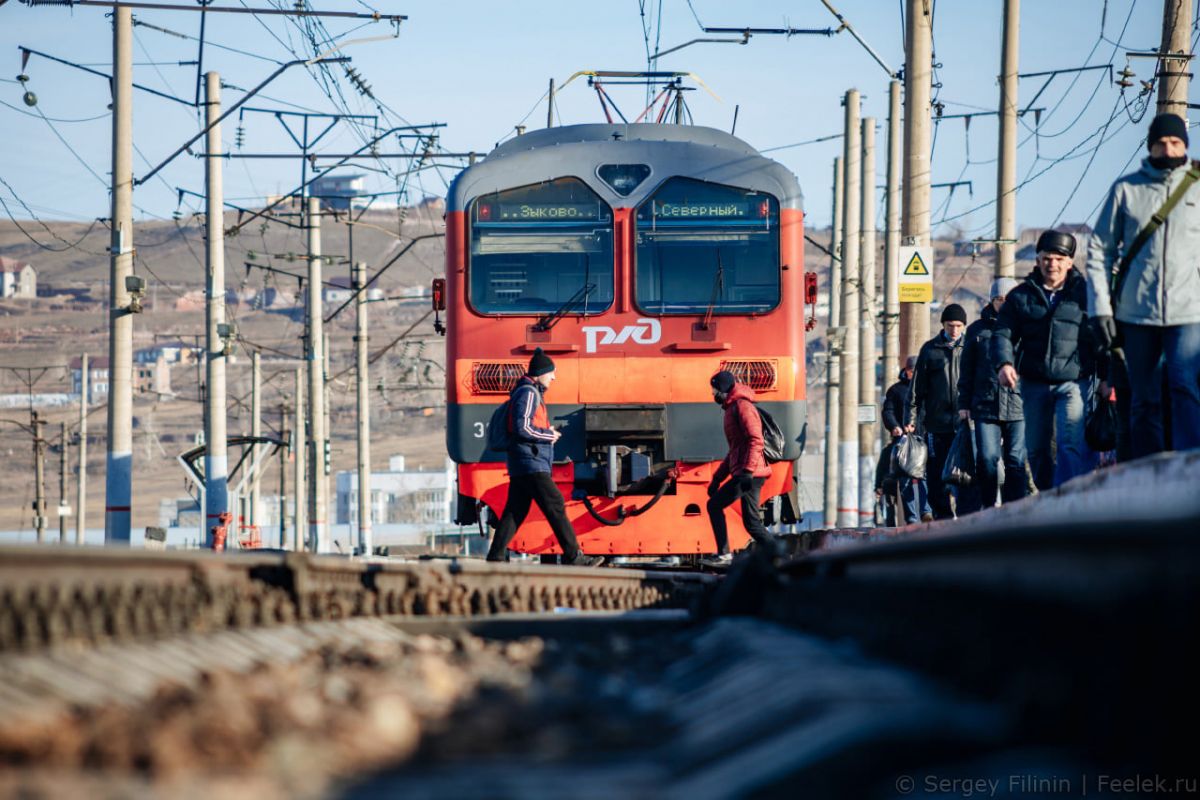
715,210
532,212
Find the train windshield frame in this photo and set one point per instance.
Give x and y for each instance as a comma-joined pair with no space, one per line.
704,247
545,248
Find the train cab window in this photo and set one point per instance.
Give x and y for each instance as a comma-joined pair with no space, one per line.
542,249
702,245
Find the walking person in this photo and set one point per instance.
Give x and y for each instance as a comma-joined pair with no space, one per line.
1144,289
933,408
914,493
1042,338
530,456
995,409
743,471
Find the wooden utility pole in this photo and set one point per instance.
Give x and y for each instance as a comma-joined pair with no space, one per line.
1173,73
1006,169
63,504
891,270
918,85
118,487
867,438
39,477
299,451
81,480
832,352
847,515
366,542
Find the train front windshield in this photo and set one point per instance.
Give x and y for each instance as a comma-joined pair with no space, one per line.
541,249
701,245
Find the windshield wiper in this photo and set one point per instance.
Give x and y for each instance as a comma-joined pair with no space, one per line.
548,321
718,285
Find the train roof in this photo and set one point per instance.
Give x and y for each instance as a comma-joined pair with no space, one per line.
670,150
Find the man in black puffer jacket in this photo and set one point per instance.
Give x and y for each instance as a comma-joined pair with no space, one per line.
1043,337
933,407
895,402
996,409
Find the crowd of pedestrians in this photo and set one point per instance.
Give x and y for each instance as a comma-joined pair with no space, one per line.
1048,349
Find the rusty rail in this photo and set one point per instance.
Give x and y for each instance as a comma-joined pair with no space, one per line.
49,595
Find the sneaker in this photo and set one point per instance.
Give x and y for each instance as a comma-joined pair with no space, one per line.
584,560
719,560
927,518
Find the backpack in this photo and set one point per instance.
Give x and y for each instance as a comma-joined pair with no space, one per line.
499,437
773,441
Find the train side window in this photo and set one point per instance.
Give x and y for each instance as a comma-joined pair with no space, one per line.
702,244
540,249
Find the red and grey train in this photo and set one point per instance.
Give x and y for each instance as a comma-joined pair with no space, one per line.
643,258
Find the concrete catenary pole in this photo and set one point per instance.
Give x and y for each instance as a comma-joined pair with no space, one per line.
891,270
1173,72
868,439
62,483
299,451
39,478
81,481
118,486
918,84
851,216
832,359
1006,165
216,461
318,482
255,515
365,539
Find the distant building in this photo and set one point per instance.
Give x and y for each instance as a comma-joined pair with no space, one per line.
17,279
400,495
339,192
148,378
340,291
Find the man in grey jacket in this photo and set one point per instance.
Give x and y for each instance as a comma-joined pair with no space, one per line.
1157,310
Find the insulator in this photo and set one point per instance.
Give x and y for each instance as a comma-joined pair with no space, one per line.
67,3
240,137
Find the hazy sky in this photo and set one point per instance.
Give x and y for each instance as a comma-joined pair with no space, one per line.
481,67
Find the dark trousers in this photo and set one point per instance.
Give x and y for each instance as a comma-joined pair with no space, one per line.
995,441
747,490
536,488
1152,353
939,493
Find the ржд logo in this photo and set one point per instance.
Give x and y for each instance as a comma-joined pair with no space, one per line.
646,331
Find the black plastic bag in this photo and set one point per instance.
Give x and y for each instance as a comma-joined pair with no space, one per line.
1100,431
773,441
960,460
910,456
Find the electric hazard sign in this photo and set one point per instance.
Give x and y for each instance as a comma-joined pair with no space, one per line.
916,274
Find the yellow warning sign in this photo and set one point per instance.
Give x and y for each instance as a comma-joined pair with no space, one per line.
915,281
916,266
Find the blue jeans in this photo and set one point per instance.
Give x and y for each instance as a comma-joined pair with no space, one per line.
993,441
1148,351
1056,409
916,499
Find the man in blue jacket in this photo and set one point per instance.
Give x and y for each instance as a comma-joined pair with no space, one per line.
530,456
1157,307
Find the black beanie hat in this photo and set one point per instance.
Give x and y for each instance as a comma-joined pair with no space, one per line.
723,381
540,364
954,313
1167,125
1056,242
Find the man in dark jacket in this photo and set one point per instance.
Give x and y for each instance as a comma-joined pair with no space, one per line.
1042,336
744,465
530,456
914,491
933,407
996,409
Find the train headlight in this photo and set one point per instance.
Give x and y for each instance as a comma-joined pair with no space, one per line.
623,178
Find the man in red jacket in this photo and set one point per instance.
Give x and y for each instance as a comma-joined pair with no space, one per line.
744,465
